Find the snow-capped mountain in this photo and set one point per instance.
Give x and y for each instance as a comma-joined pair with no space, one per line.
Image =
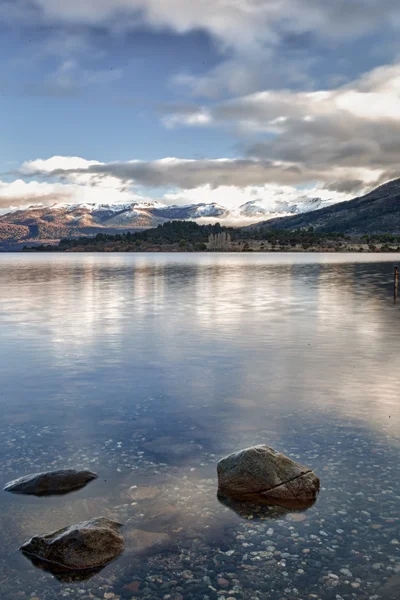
74,220
253,208
191,211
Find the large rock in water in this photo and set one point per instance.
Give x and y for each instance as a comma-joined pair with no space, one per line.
85,546
262,471
52,482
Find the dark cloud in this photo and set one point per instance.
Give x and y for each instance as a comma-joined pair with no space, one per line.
350,186
324,134
189,174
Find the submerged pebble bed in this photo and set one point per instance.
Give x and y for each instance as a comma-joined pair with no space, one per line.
196,547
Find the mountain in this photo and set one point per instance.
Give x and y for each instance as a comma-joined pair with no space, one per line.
376,212
278,208
37,224
253,208
192,211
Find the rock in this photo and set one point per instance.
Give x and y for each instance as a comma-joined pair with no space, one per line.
296,517
146,542
85,546
264,472
52,482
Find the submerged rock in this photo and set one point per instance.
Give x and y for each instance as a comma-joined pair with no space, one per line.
261,471
86,546
52,482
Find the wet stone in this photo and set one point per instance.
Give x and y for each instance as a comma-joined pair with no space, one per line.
264,472
52,482
83,547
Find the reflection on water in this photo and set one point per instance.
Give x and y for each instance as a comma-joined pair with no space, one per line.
146,369
61,574
256,506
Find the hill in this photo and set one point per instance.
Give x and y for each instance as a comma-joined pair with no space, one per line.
377,212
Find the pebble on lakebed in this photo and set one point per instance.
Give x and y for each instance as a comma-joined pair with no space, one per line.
90,545
260,471
51,482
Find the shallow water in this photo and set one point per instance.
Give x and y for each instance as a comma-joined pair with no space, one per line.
148,368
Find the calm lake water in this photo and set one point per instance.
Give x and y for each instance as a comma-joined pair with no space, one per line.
148,368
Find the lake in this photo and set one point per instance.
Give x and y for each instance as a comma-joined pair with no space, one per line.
147,368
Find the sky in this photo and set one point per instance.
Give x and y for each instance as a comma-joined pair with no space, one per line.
226,101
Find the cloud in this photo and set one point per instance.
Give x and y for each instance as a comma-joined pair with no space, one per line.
238,23
48,165
261,43
172,115
185,174
71,79
343,134
228,182
21,194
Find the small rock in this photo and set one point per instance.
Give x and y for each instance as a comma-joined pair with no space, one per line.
132,587
346,572
296,517
52,482
88,545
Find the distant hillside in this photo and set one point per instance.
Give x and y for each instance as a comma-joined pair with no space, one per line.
374,213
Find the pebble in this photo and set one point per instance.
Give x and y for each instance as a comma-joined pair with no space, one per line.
296,517
346,572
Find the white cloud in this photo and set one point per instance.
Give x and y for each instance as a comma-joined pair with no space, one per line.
45,166
79,189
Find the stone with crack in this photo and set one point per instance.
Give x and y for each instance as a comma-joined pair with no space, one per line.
261,471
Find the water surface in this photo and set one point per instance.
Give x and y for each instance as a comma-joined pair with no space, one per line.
148,368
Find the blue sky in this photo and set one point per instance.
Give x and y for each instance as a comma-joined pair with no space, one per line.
300,96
